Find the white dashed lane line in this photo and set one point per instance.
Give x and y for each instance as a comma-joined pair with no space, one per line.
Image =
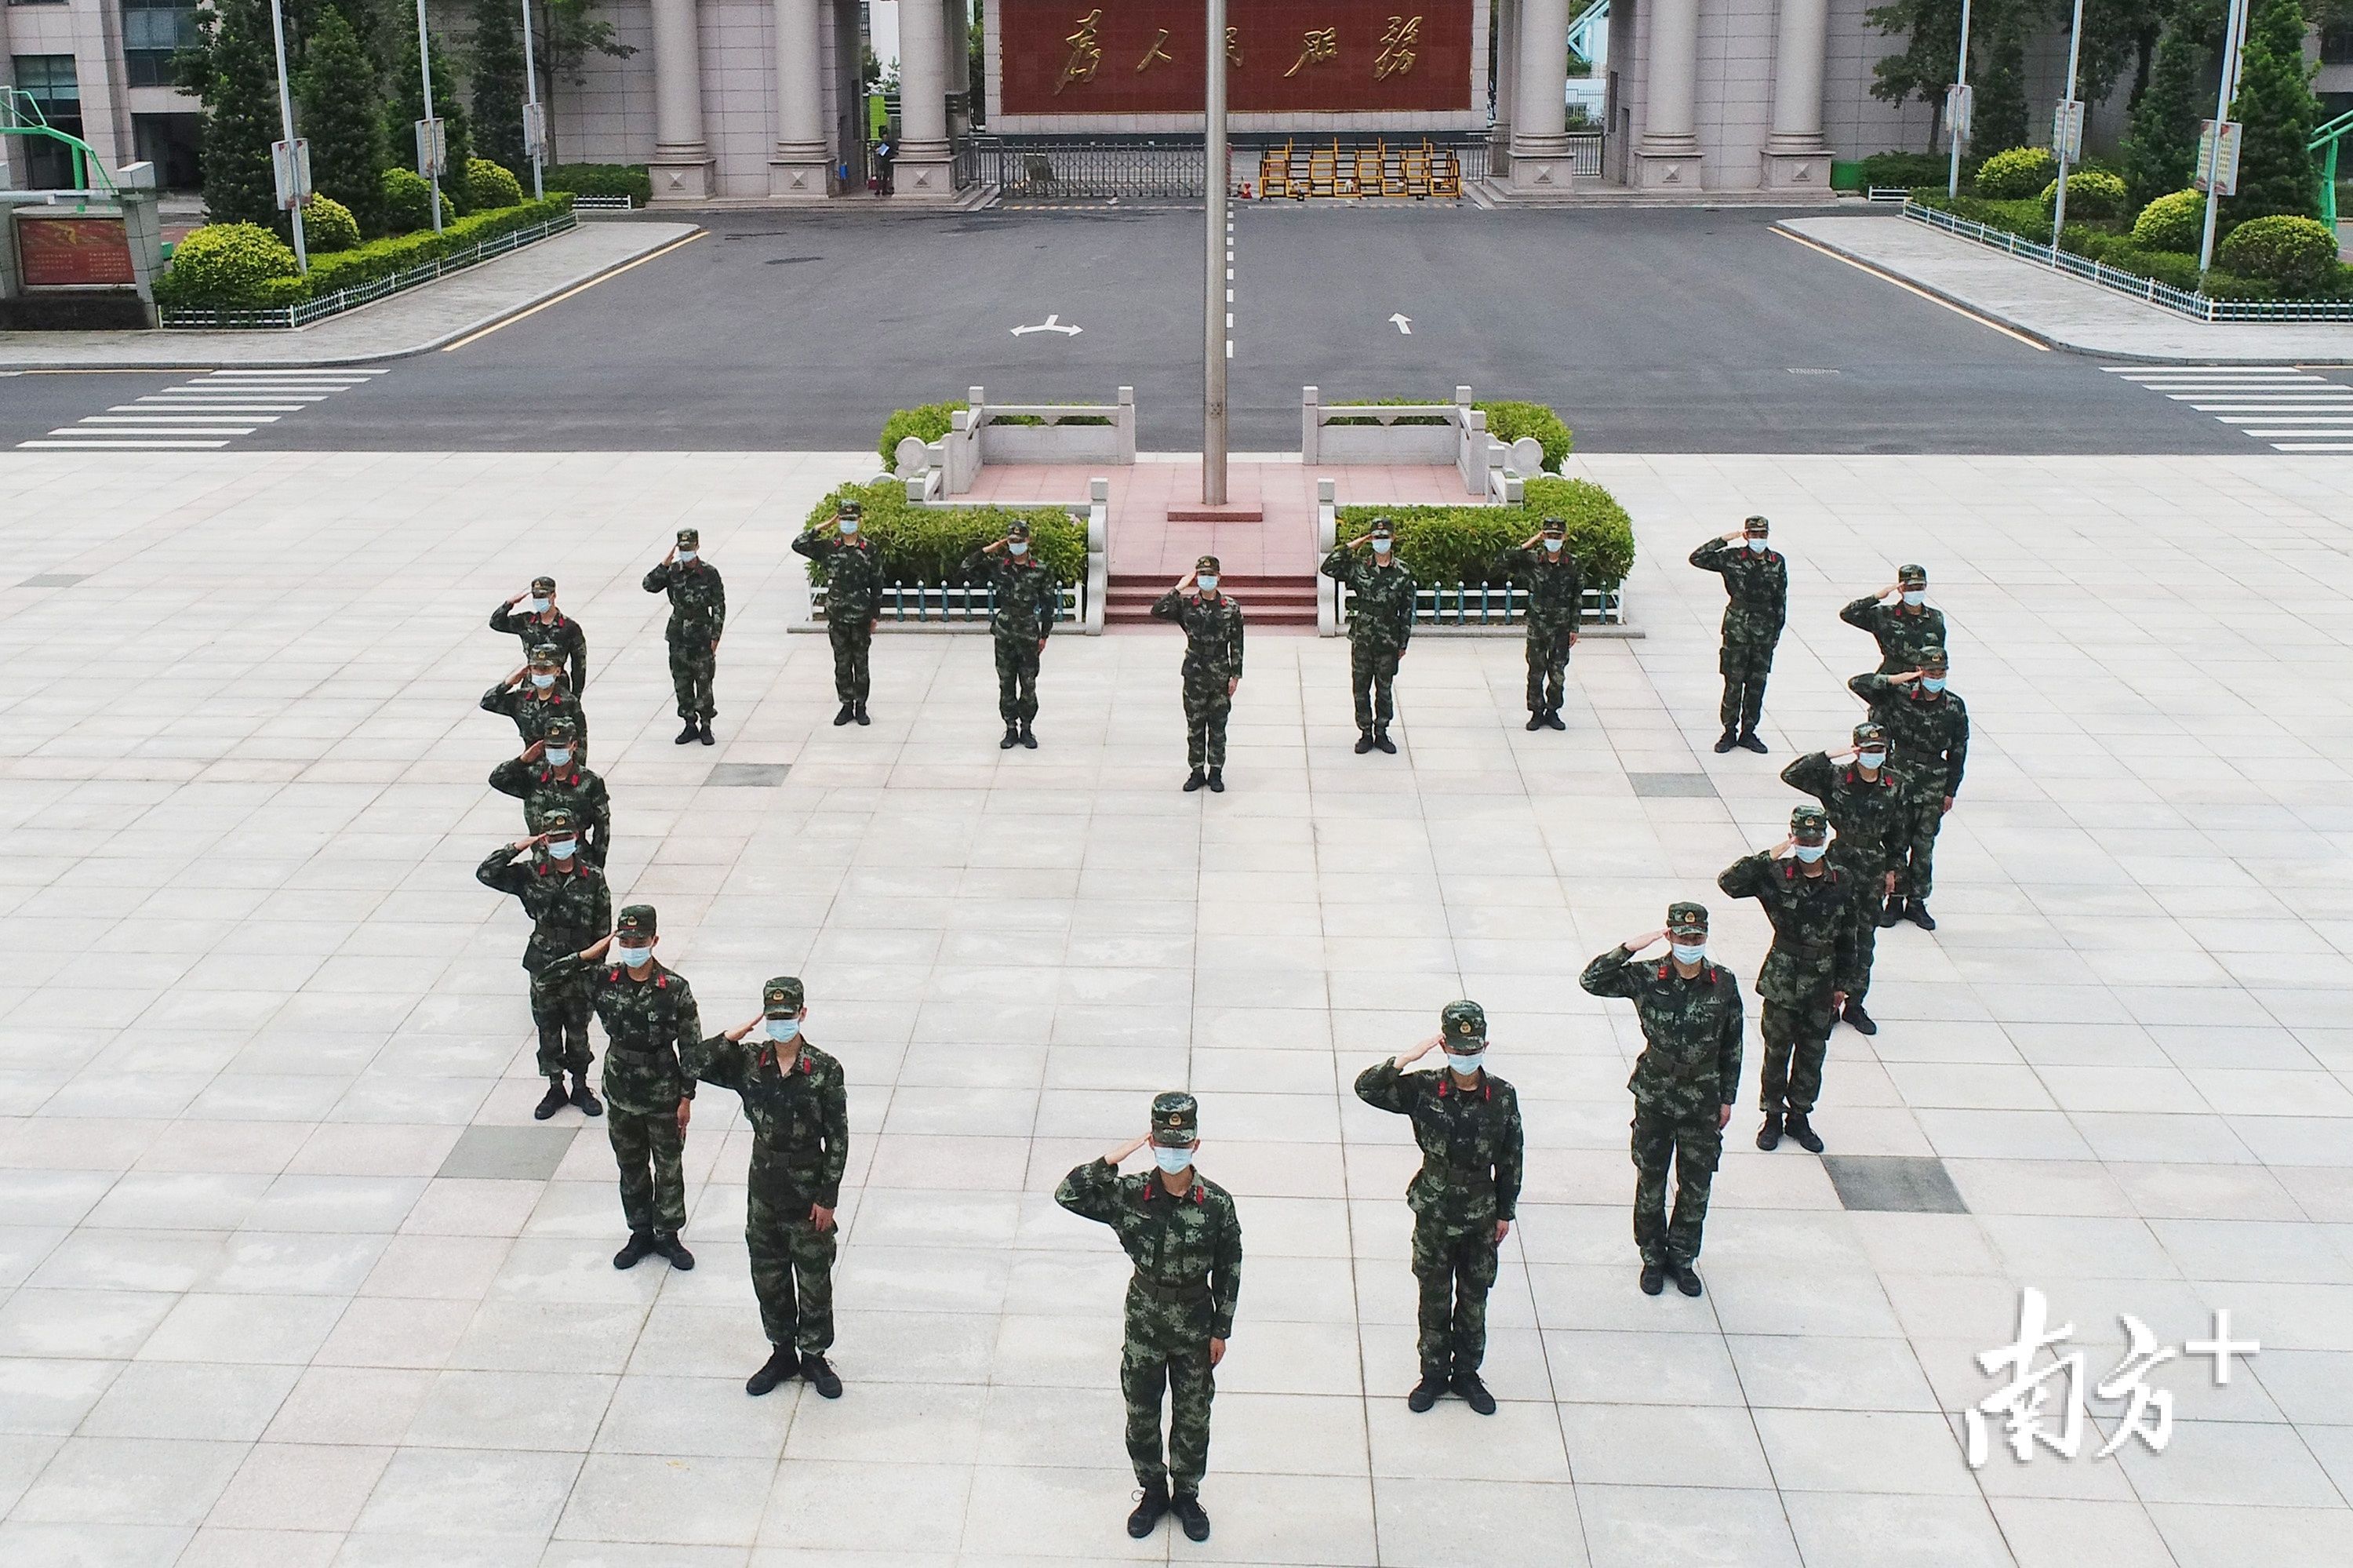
2294,410
203,413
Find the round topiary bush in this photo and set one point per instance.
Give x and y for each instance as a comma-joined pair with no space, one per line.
489,185
2175,222
2091,193
408,202
1508,421
2019,172
2297,253
328,225
228,265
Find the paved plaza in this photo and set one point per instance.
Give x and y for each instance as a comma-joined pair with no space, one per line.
288,1275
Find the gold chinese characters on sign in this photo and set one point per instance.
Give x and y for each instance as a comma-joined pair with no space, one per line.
1397,41
1155,53
1316,46
1086,51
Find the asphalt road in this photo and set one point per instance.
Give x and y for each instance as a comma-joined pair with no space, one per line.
1651,330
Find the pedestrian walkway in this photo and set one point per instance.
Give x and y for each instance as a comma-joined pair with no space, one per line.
2294,410
202,414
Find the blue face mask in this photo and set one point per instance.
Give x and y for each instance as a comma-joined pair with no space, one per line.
634,958
1381,546
1553,545
1466,1066
539,606
1811,853
1932,682
1871,760
1017,547
558,756
784,1030
1169,1160
543,679
850,526
1688,952
686,556
560,849
1756,544
1209,584
1913,597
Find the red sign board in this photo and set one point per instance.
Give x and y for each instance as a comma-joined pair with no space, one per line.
1145,56
61,252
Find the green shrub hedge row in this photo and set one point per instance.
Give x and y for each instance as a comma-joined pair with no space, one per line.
630,180
211,285
928,544
2018,172
1443,546
2129,252
1507,422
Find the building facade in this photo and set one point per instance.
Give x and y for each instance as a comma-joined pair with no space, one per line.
102,71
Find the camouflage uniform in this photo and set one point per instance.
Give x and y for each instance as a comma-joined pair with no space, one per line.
1931,732
535,711
1874,819
1813,928
648,1023
853,594
1471,1156
1380,624
800,1112
1555,585
1902,630
1025,601
553,627
1756,587
569,909
1187,1251
543,787
697,615
1688,1071
1213,658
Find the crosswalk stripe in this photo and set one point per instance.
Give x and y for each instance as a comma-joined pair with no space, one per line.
144,431
218,403
2284,419
120,446
182,419
2312,446
2289,406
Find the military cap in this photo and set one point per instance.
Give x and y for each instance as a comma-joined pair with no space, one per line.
1017,529
781,997
849,509
1206,564
690,538
1555,525
1685,919
637,918
1810,824
543,585
1912,576
546,653
1175,1119
556,819
1757,525
564,729
1868,732
1381,525
1463,1023
1931,657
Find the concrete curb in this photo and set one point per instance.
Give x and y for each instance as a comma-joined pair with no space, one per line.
668,234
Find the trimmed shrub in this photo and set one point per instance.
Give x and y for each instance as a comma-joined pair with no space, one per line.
490,187
1906,169
382,258
630,180
2091,193
407,201
227,266
1508,421
206,286
2299,254
2020,171
1443,546
328,225
928,544
2176,222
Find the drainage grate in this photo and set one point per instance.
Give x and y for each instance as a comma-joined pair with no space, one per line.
1672,786
1894,1183
508,1153
747,775
55,579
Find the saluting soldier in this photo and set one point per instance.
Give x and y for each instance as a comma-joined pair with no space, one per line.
553,772
1025,601
546,623
698,617
1180,1230
1757,594
570,906
853,596
1900,619
1685,1083
1871,806
1213,667
1466,1121
1555,585
1931,730
1380,624
795,1098
534,697
650,1020
1809,900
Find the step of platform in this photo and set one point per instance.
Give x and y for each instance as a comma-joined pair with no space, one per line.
1265,601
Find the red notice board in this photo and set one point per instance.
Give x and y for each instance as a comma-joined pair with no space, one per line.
1145,56
67,252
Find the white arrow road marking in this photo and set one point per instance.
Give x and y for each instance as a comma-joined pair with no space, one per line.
1053,323
1404,324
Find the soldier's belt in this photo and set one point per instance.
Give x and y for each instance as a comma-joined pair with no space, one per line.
1186,1291
643,1053
1465,1174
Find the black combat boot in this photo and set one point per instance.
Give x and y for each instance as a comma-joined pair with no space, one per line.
1382,742
702,731
1748,738
1364,742
1862,1022
690,735
1152,1503
1029,735
1217,781
1535,719
585,1097
1475,1392
640,1244
1187,1507
860,715
1654,1278
1726,741
848,712
1425,1393
555,1100
1012,738
1194,779
781,1367
1552,719
1917,913
667,1244
1769,1137
1803,1132
821,1376
1891,914
1686,1278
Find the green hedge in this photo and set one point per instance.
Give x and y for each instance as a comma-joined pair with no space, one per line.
2176,222
601,179
2125,252
2297,253
204,289
1889,170
1442,546
227,266
1507,422
407,201
933,420
328,225
928,544
490,187
2091,193
2015,172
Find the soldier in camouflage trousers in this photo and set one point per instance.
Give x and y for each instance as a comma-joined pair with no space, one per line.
795,1097
1900,621
1757,591
1380,624
1684,1083
551,774
564,894
1180,1230
1213,667
1546,566
1025,600
853,596
1466,1122
1810,902
1930,726
698,617
534,697
544,622
651,1023
1871,806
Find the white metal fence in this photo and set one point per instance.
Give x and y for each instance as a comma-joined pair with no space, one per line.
914,603
1498,604
303,313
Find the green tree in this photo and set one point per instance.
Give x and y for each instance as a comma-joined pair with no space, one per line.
232,70
980,67
343,116
1998,67
2163,141
496,77
407,107
2277,106
2116,34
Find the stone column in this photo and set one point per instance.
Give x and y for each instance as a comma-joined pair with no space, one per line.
1795,156
680,166
1540,156
925,170
1508,82
1668,157
799,167
959,41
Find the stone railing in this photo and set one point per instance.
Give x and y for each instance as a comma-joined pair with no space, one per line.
982,433
1417,435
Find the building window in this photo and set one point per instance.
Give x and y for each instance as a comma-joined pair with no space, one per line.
50,82
2337,44
153,32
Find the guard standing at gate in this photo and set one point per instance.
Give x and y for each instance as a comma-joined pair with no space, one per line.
853,593
1213,667
1756,592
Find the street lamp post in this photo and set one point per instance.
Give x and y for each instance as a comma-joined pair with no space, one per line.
1953,100
2070,126
432,154
2234,43
534,118
1215,346
286,119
